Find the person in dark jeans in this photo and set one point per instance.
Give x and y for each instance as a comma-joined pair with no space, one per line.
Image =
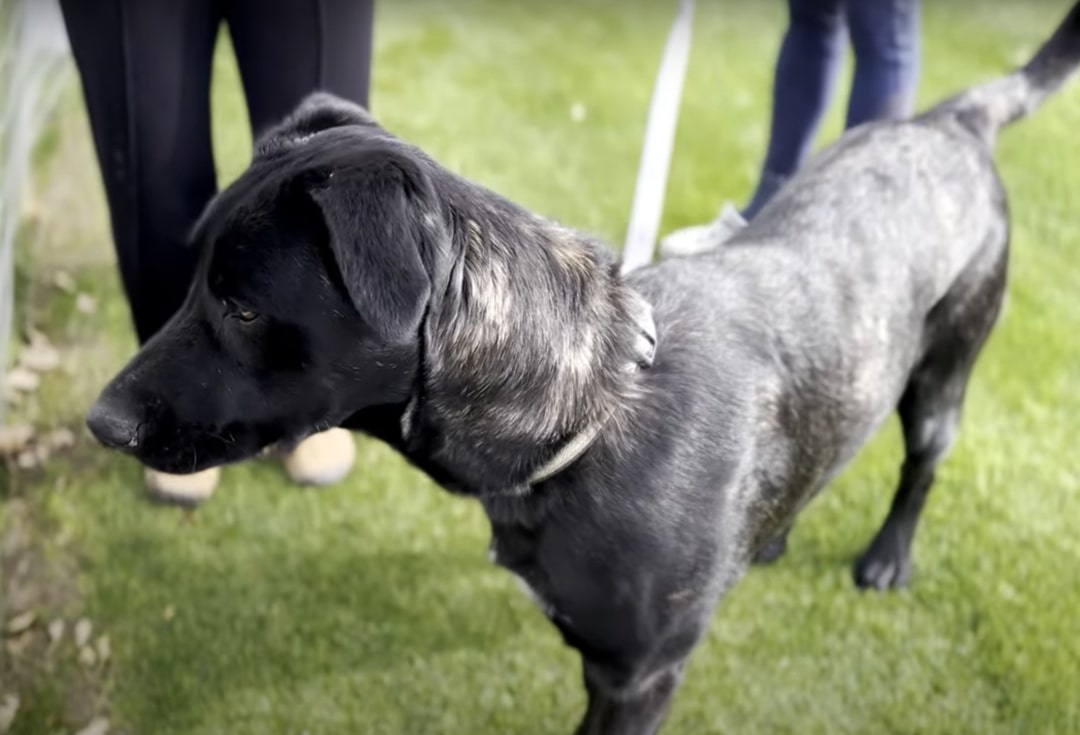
145,67
884,35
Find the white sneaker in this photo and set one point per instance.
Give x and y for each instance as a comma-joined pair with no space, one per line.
701,238
321,459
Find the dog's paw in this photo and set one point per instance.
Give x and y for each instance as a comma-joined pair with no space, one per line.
882,567
771,551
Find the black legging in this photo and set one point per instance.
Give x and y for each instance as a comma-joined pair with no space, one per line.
145,67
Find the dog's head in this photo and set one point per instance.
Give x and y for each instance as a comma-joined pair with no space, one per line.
315,272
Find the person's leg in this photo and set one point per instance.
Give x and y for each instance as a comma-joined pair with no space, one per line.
145,71
806,71
287,49
885,36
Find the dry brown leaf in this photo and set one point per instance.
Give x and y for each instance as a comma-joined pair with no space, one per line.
17,646
27,460
97,726
63,281
56,631
10,396
104,649
62,438
22,380
85,303
14,439
9,710
83,629
39,357
87,656
21,623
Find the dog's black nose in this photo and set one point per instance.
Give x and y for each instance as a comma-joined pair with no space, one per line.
113,425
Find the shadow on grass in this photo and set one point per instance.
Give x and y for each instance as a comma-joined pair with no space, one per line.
269,590
200,622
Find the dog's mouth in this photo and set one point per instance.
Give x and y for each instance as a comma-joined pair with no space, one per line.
183,452
173,446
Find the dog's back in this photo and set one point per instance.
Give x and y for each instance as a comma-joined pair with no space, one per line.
883,261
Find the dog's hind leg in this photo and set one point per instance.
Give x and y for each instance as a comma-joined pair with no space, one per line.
930,413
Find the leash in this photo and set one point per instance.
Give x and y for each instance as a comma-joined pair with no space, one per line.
648,204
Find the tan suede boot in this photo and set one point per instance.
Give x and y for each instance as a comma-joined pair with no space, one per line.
182,489
321,459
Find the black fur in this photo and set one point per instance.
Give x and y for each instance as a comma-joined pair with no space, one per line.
348,279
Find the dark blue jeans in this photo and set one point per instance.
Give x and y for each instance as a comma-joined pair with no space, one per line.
884,35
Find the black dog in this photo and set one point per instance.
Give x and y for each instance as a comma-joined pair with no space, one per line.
349,279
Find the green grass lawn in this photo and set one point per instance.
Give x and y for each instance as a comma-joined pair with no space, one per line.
370,607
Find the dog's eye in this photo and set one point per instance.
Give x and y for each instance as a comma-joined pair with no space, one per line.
242,313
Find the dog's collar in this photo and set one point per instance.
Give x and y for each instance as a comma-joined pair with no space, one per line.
644,354
568,454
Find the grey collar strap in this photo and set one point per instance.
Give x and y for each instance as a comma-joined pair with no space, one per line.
644,354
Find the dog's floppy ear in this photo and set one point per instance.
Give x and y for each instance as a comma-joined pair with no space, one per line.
319,111
377,213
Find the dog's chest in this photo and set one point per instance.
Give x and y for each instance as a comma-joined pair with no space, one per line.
514,548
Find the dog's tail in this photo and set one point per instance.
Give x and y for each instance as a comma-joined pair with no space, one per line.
988,108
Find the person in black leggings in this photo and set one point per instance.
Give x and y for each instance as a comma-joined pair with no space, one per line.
145,67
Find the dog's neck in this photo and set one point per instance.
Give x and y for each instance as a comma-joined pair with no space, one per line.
525,348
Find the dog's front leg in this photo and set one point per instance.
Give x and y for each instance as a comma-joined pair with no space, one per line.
635,709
